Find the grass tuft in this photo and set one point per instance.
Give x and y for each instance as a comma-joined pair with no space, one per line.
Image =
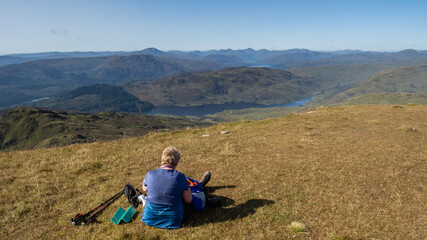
297,227
408,129
97,165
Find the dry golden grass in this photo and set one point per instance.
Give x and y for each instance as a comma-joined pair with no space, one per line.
353,172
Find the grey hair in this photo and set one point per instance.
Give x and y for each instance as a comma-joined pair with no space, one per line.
171,156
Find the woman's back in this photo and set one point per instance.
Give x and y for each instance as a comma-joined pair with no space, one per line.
165,186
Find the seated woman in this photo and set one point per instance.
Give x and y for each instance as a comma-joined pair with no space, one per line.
167,191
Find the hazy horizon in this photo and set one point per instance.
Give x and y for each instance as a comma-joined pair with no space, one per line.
171,50
64,26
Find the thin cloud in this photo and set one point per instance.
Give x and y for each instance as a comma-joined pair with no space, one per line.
59,31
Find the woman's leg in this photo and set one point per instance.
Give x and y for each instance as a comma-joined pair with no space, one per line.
188,209
205,178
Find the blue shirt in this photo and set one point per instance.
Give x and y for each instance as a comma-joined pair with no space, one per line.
165,187
165,206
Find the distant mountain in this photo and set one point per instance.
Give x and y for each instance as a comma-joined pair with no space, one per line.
377,57
46,78
6,60
123,69
315,59
275,58
30,57
405,80
282,59
26,128
295,58
94,99
292,58
299,58
155,52
248,55
229,85
28,81
32,80
226,60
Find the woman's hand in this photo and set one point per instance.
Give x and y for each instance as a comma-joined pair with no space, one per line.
144,188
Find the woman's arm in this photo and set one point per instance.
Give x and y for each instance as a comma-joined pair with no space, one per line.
144,188
187,196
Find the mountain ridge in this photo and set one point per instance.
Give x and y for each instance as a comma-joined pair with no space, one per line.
47,78
94,99
228,85
247,56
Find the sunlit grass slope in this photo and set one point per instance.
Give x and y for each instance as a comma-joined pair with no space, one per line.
405,80
388,98
253,113
356,172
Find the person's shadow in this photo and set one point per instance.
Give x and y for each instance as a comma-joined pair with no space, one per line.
222,213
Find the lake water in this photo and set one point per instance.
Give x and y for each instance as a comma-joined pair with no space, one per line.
214,108
39,99
260,66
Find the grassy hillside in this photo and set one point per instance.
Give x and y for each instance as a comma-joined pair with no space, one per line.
334,79
355,172
405,79
94,99
388,98
27,128
228,85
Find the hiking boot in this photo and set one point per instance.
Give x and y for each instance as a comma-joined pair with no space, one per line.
205,178
213,201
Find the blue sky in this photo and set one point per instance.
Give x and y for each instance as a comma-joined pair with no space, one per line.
127,25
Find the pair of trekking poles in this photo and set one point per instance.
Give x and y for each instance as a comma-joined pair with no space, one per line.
91,216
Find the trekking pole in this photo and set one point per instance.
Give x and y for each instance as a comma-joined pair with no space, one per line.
80,218
92,218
